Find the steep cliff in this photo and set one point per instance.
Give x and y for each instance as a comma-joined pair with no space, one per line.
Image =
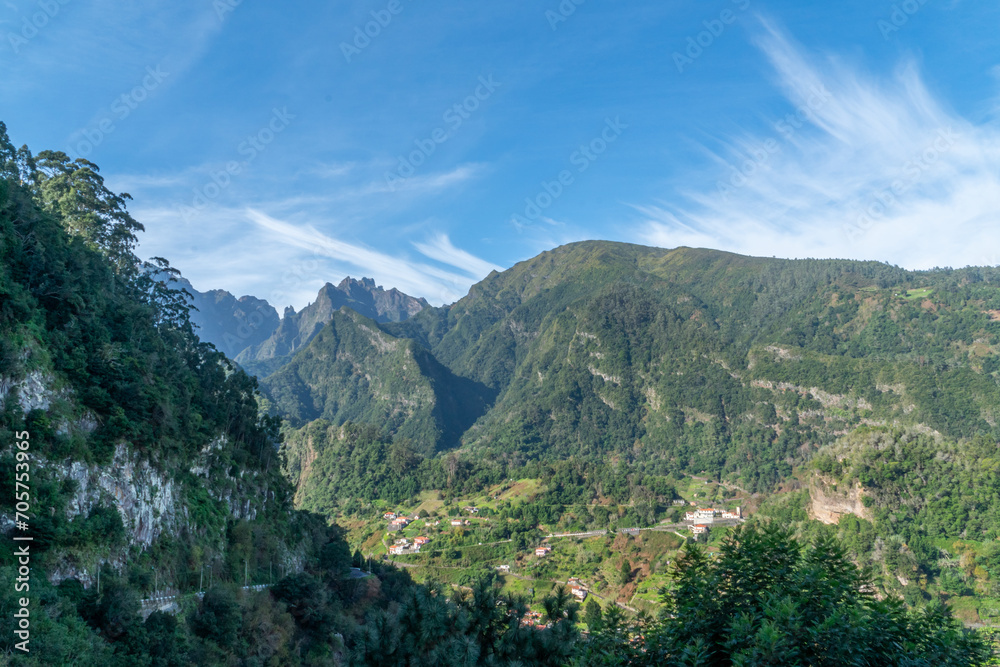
231,324
829,502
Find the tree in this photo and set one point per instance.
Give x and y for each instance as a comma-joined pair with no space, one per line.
769,600
74,190
626,572
116,611
592,616
219,617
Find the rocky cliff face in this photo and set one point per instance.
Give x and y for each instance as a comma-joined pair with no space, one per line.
231,324
372,301
150,501
829,503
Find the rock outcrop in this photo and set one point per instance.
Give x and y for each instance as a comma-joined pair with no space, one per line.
829,503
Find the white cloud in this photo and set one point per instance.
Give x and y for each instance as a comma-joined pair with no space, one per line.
860,168
234,247
441,249
415,278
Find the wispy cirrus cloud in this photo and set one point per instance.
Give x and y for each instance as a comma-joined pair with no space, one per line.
858,168
440,248
438,285
235,246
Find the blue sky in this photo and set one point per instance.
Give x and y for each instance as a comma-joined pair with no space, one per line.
273,147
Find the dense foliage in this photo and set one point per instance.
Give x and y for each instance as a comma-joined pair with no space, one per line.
667,362
353,371
929,525
768,600
102,347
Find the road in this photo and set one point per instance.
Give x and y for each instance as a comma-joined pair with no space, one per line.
164,599
662,528
592,533
728,485
356,573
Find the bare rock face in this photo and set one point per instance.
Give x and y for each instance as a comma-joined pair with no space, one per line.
828,505
150,502
147,501
34,391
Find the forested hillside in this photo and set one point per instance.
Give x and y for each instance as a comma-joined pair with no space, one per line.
353,371
679,361
153,476
919,510
162,529
150,467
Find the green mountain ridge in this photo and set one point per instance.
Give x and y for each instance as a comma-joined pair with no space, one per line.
354,371
691,360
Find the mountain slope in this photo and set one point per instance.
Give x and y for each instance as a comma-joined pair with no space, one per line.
231,324
353,371
297,329
703,361
919,511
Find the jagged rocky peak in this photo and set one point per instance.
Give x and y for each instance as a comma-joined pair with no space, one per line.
229,323
367,298
366,283
363,296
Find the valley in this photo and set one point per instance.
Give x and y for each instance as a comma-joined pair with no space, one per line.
564,451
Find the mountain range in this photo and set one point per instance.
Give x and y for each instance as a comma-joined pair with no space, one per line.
249,331
677,360
581,389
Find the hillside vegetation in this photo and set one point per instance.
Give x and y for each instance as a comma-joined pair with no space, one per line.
929,522
672,362
152,474
163,531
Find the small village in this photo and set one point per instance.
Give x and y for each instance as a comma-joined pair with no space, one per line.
424,539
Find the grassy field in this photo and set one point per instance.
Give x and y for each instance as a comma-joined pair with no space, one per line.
919,293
